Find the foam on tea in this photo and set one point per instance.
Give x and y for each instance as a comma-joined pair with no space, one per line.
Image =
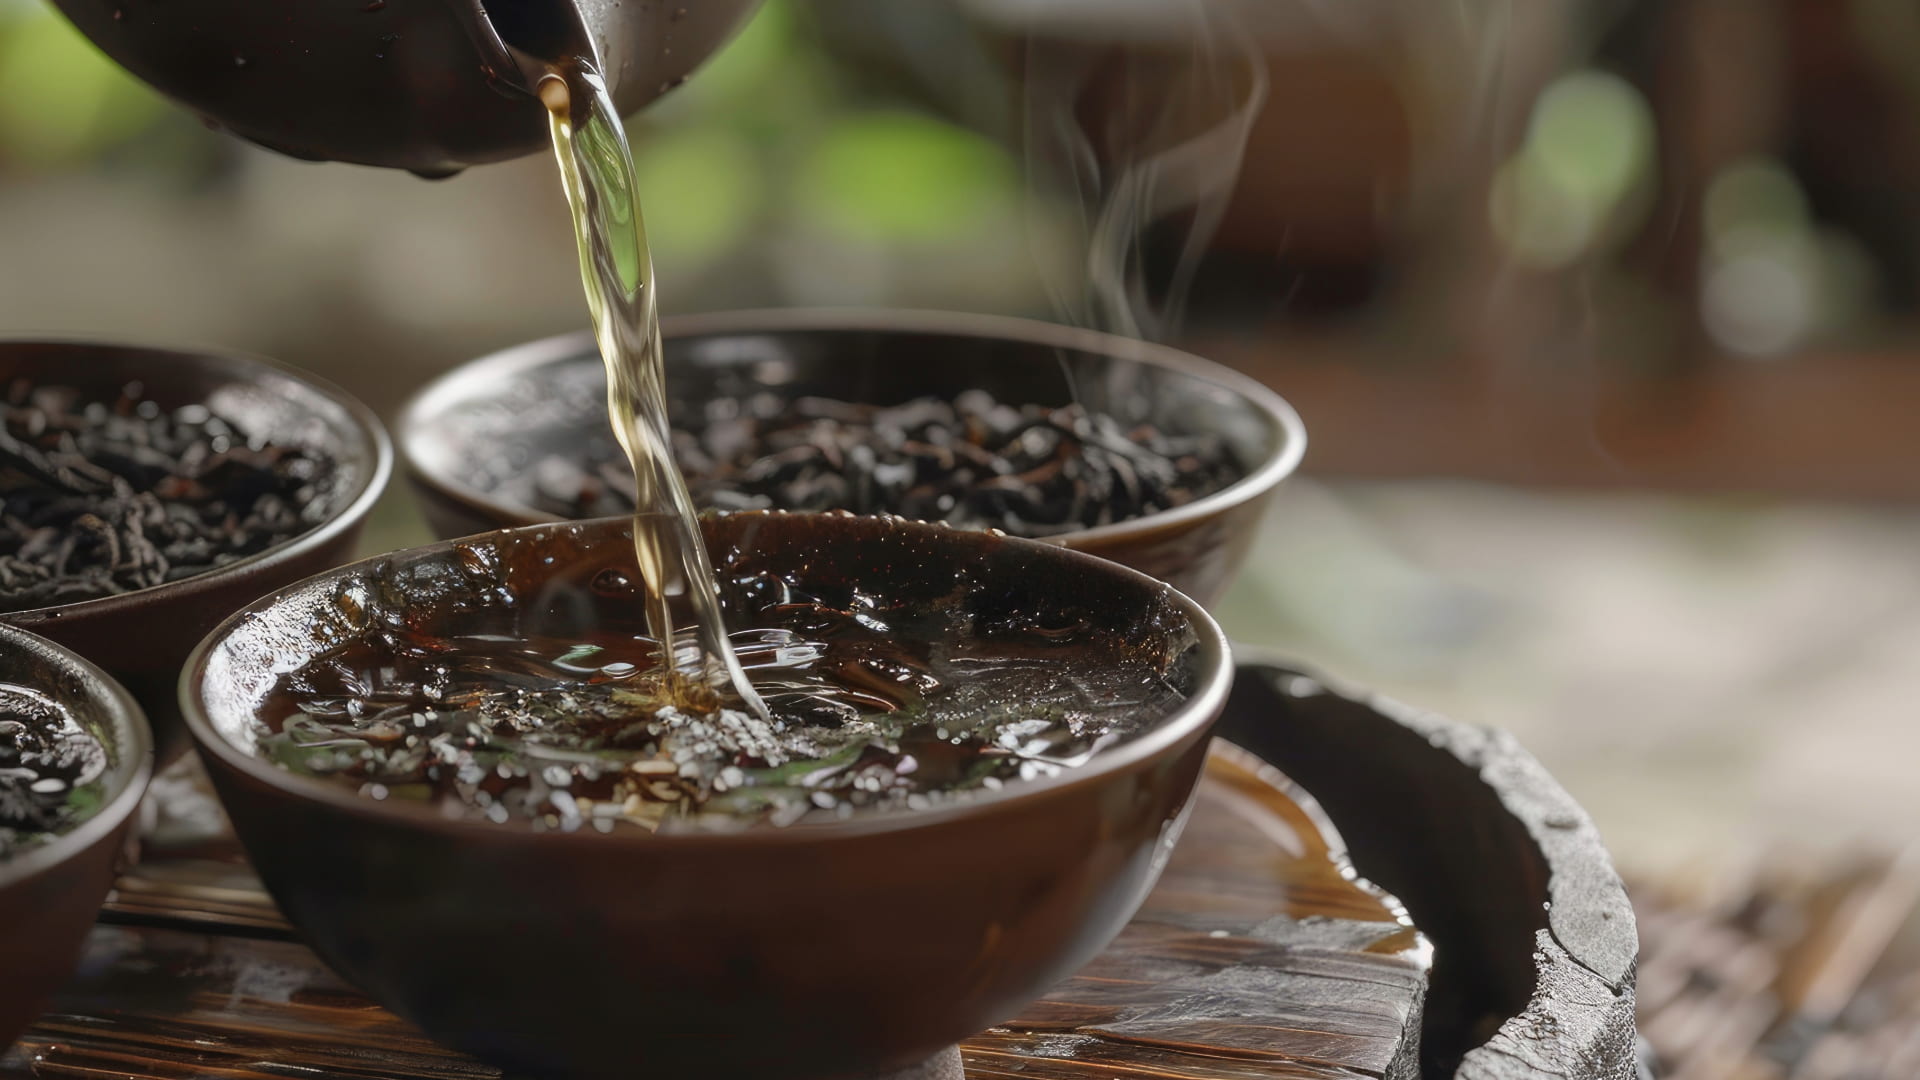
508,683
49,769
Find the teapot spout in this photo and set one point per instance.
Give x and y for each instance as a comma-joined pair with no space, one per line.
520,41
498,64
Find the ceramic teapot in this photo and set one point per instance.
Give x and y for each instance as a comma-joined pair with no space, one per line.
427,85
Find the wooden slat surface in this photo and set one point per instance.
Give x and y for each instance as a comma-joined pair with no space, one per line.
1258,956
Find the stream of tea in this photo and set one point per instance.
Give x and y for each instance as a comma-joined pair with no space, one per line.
616,268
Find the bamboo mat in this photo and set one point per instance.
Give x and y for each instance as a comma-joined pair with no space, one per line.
1784,970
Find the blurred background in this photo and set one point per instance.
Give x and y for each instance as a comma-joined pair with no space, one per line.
1602,315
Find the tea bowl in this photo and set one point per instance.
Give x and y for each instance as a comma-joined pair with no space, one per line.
143,637
546,398
816,951
50,892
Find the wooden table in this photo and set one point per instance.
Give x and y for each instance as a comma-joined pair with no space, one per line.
1259,955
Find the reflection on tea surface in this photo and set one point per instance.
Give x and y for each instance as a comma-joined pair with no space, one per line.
50,769
516,700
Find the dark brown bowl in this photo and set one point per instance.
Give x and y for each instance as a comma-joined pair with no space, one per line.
815,951
544,395
142,638
50,894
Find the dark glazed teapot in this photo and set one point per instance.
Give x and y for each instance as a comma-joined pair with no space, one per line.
427,85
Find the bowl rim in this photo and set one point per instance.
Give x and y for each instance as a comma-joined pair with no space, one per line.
103,690
375,442
1192,718
419,417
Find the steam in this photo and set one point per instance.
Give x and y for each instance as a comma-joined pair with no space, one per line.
1179,85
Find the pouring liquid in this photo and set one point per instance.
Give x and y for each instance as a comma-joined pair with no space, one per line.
616,269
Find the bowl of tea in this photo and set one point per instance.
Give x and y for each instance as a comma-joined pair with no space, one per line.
75,755
466,774
150,492
1136,452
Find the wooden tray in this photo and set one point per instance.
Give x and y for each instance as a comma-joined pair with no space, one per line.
1535,941
1260,955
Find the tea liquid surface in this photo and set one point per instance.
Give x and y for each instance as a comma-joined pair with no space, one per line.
49,768
537,709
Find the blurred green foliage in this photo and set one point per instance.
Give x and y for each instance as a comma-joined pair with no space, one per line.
770,137
902,176
704,191
769,111
62,103
1581,181
773,165
1775,278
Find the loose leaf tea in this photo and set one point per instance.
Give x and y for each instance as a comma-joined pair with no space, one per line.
49,766
974,462
99,498
469,701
